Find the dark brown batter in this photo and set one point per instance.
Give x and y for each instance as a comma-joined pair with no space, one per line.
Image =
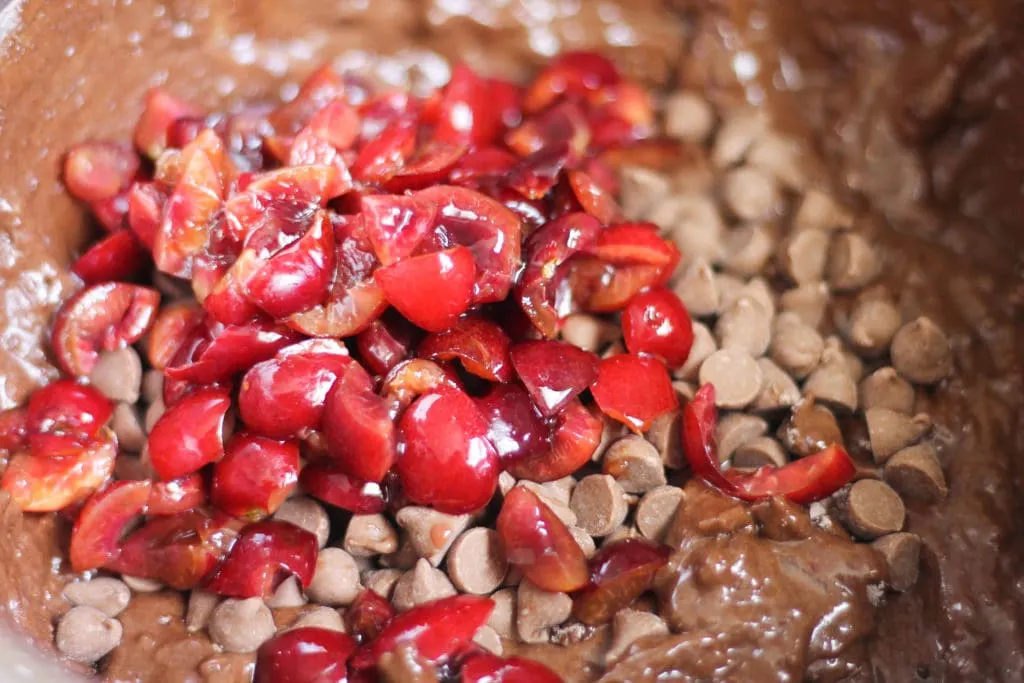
916,112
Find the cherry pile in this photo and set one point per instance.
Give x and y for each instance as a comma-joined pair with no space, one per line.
378,284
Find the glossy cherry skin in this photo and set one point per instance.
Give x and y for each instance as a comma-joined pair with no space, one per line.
117,257
479,344
571,73
619,573
413,377
329,484
627,258
177,495
305,655
65,417
483,667
97,531
575,435
263,555
565,122
106,316
367,616
381,158
230,349
467,112
94,171
386,342
448,462
430,165
634,390
255,475
436,629
538,542
13,428
190,434
554,372
173,326
514,425
161,110
656,322
432,290
358,427
397,224
594,199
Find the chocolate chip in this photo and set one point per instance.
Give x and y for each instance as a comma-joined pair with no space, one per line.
921,352
758,289
476,562
85,634
640,189
744,325
736,429
884,388
561,510
118,375
655,511
781,157
872,508
308,514
381,581
336,579
694,224
758,452
503,616
153,385
140,584
154,412
665,434
735,137
691,171
819,210
837,351
560,489
624,532
588,332
802,255
730,288
750,193
241,625
537,610
369,535
200,607
704,345
629,625
106,594
902,553
584,540
747,249
287,594
890,431
778,390
506,481
430,532
810,428
873,322
404,557
423,583
599,503
688,116
127,425
320,617
698,289
809,301
916,474
487,638
635,464
796,346
833,384
735,375
852,262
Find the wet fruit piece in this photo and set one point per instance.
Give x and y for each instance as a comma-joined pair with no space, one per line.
386,342
538,542
117,257
554,372
326,482
483,667
429,165
656,322
96,536
65,417
448,462
634,390
413,377
575,435
367,616
563,123
160,112
619,573
593,198
358,428
319,88
479,344
94,171
382,157
255,475
177,495
172,327
190,434
466,112
397,224
264,554
305,655
106,316
571,73
13,428
431,290
145,207
514,425
229,350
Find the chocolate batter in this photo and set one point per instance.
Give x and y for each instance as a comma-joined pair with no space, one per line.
912,109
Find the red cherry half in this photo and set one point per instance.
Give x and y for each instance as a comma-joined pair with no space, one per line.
97,532
263,555
255,475
190,434
634,390
432,290
656,322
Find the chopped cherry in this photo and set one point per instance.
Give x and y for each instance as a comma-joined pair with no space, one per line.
386,342
96,536
117,257
593,198
106,316
397,224
305,655
467,113
619,573
656,322
64,417
367,616
145,207
514,425
628,258
483,667
482,166
432,290
172,328
230,350
480,345
564,122
576,435
535,175
571,73
326,482
634,390
13,428
382,157
538,542
177,495
413,377
554,372
358,427
260,559
94,171
160,112
429,166
319,88
255,475
447,462
436,630
190,434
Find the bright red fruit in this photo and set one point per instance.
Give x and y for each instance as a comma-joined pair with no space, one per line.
554,372
368,614
255,475
386,342
326,482
51,484
656,322
190,434
320,87
357,426
228,350
480,345
382,157
563,123
482,166
576,434
160,112
429,166
483,667
413,377
172,327
634,390
593,198
514,425
284,396
106,316
571,73
117,257
397,224
97,532
467,112
264,554
436,630
64,417
13,428
431,290
538,542
94,171
619,573
448,462
305,655
535,175
176,496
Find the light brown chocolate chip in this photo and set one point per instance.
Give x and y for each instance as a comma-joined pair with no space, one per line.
810,429
916,474
431,532
241,625
819,210
747,249
735,375
505,483
872,508
561,510
884,388
153,385
730,288
476,561
308,514
802,255
487,638
758,289
837,351
852,262
118,375
503,617
640,189
287,594
809,301
694,224
381,581
684,391
736,429
403,558
735,137
833,384
665,435
704,345
624,532
584,540
656,510
537,610
85,634
600,503
778,390
902,553
688,116
369,535
320,617
781,157
421,584
758,452
796,346
744,325
873,322
921,352
588,332
140,584
750,193
561,489
692,173
336,579
128,426
154,412
200,607
628,625
635,464
697,288
106,594
612,431
890,431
